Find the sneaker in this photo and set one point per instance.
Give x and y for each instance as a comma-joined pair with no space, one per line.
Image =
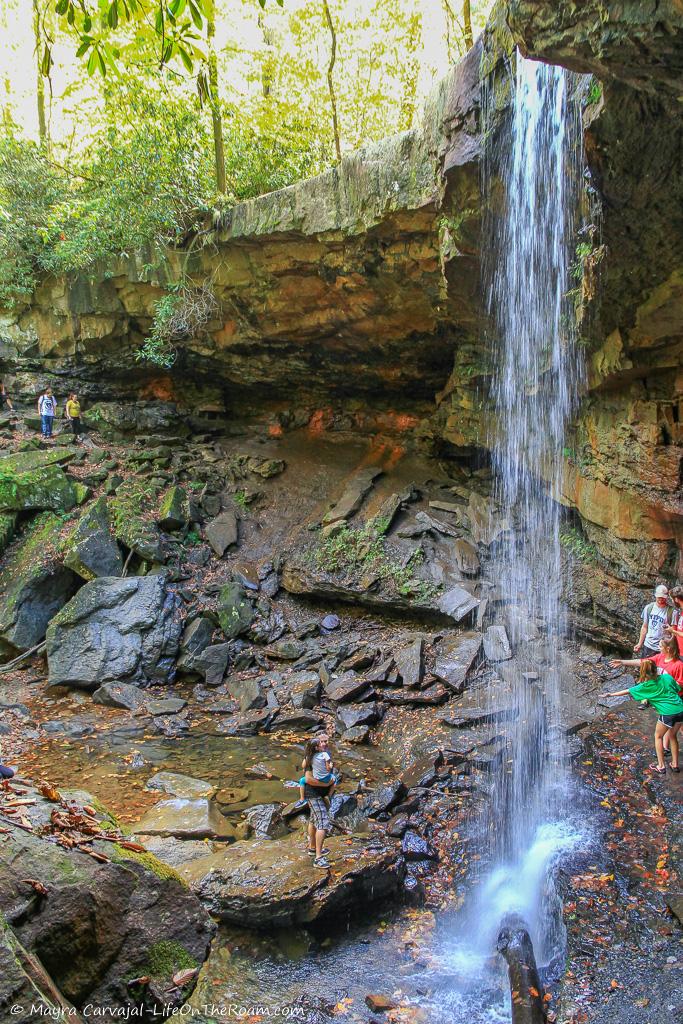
321,862
311,853
299,805
643,704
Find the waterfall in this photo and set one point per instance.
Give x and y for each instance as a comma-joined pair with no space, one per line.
532,176
531,183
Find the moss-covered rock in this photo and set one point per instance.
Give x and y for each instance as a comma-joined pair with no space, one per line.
132,511
44,487
35,584
174,511
91,549
102,924
234,609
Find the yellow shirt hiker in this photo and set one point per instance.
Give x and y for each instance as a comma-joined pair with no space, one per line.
73,409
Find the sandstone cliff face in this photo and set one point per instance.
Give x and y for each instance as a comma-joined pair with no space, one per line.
357,292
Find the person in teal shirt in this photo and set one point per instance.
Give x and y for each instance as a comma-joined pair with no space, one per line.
661,691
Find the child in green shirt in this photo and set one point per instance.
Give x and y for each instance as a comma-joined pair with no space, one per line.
661,691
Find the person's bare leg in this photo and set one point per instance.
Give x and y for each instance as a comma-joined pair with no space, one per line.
660,732
673,742
312,842
319,841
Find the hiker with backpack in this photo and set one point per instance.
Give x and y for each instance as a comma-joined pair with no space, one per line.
658,617
47,410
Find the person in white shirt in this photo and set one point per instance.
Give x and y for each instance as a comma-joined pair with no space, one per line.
47,410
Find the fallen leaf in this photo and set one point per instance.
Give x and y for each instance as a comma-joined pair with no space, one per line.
181,978
38,886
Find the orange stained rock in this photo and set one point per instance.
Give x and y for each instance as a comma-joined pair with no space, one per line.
160,388
275,430
319,422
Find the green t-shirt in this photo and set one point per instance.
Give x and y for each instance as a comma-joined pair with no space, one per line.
661,692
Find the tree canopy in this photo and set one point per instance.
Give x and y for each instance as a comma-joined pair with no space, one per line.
126,122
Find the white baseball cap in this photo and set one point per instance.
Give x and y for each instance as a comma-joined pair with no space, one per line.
662,591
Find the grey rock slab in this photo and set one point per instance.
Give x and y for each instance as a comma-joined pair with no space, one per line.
351,715
222,532
466,557
120,695
486,522
266,821
250,692
184,786
346,687
195,639
432,696
172,851
446,506
357,734
457,603
455,656
123,630
294,720
497,644
427,522
303,689
470,717
410,662
247,723
165,705
213,662
352,498
197,818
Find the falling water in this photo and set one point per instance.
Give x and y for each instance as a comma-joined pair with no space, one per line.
530,237
532,173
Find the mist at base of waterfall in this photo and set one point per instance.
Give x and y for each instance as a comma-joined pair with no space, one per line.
479,991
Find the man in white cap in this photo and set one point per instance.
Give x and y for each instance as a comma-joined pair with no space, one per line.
657,618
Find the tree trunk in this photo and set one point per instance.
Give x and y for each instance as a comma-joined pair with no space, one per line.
214,100
467,23
330,79
40,81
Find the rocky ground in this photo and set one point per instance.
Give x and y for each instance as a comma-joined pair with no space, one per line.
199,605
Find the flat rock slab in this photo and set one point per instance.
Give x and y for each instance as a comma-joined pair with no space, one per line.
165,706
183,786
430,697
185,819
466,557
455,656
221,532
470,717
346,687
410,662
352,498
265,883
497,644
486,522
174,852
120,695
457,603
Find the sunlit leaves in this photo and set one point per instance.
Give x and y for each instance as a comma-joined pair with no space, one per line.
176,26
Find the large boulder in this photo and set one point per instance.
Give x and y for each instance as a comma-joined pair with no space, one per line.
91,550
35,585
30,481
265,884
99,924
115,629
